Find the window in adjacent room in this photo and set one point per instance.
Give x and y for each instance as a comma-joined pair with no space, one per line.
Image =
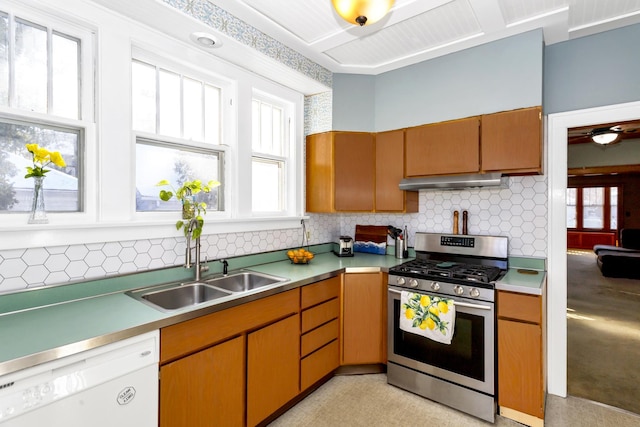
592,208
177,119
270,156
41,92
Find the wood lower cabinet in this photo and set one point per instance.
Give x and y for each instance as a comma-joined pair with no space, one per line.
521,371
204,389
445,148
320,328
232,367
273,358
364,318
511,141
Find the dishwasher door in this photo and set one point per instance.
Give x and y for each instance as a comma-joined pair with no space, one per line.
113,385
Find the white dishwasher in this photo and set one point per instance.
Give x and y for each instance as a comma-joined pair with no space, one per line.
112,385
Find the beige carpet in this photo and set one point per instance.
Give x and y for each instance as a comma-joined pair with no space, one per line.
603,334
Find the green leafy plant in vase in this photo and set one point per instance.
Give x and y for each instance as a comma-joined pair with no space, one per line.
191,209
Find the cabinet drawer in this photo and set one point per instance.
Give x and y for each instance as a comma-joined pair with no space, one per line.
319,292
313,340
523,307
318,364
320,314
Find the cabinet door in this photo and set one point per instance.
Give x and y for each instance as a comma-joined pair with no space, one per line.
520,367
273,368
511,141
364,316
320,176
204,389
389,173
443,148
354,171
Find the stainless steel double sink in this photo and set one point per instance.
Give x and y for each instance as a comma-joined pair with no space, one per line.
182,295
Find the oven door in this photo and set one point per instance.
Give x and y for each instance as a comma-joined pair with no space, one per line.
468,360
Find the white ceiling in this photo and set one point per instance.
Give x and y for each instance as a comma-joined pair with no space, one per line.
417,30
413,31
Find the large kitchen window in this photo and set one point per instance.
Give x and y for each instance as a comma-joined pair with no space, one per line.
46,98
592,208
177,120
270,156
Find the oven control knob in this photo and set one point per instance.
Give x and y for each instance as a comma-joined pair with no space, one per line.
459,290
435,286
474,292
413,283
400,281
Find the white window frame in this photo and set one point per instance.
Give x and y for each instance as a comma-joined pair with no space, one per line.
287,158
85,123
109,187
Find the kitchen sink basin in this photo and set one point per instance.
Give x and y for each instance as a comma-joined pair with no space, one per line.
181,296
244,281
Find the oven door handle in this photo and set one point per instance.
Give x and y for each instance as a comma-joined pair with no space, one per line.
458,303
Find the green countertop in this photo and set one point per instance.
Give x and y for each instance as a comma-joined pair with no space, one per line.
525,275
43,325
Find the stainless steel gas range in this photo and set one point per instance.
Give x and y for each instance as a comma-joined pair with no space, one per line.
461,374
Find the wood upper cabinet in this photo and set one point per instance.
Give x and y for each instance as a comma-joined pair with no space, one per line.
357,172
443,148
521,386
364,318
273,361
511,141
355,166
205,388
389,173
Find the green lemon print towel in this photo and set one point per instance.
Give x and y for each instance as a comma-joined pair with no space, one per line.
429,316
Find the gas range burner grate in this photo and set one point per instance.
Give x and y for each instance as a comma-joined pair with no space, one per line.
430,269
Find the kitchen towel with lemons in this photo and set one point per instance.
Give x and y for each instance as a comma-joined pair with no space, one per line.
427,315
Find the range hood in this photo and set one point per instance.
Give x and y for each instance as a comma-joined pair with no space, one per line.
495,180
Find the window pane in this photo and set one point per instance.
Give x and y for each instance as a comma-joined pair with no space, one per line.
169,97
277,132
4,60
60,185
143,94
31,67
614,208
267,185
255,125
212,113
266,128
155,163
193,114
593,208
572,221
65,79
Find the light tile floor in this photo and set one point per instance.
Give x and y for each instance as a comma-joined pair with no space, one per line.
367,400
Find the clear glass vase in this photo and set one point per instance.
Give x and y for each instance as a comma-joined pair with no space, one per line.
38,213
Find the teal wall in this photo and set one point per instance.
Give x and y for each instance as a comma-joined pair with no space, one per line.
592,71
355,109
497,76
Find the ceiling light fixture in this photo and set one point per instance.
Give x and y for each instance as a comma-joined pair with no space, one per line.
204,39
604,138
362,12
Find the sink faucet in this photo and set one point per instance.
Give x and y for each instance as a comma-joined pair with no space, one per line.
198,267
225,267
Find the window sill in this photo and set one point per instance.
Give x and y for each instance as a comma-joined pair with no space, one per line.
24,236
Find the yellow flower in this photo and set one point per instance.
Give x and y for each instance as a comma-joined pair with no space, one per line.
57,159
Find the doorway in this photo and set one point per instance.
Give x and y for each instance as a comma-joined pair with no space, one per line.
558,125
